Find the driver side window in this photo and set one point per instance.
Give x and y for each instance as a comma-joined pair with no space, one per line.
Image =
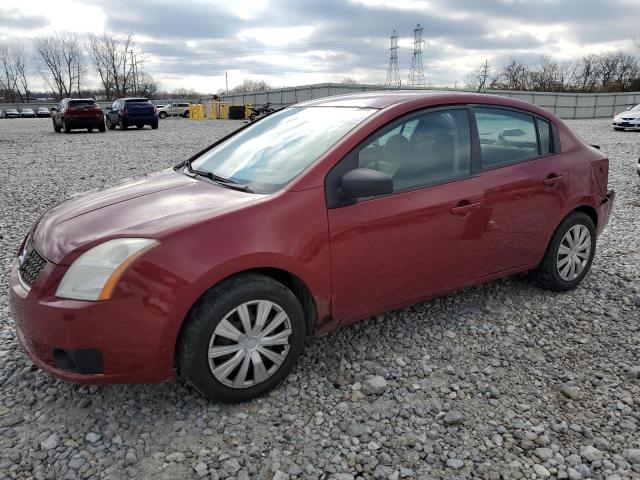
426,150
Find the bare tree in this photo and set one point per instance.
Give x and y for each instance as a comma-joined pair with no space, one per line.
249,85
21,71
62,65
8,74
589,73
119,64
147,86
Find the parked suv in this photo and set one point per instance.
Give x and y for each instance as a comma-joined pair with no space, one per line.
179,109
126,112
76,113
315,217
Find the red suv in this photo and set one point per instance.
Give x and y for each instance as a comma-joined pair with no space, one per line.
313,217
75,113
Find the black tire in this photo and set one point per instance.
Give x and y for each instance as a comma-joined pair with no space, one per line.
193,344
185,114
154,125
65,127
253,116
101,127
546,274
162,115
110,126
139,126
89,129
56,128
123,125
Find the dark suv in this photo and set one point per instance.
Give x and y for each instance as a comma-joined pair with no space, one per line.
127,112
74,113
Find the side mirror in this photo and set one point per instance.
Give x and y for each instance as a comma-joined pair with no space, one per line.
364,182
54,109
108,109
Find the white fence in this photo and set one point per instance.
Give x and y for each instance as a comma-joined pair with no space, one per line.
564,105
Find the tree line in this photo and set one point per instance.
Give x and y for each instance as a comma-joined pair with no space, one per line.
66,60
608,72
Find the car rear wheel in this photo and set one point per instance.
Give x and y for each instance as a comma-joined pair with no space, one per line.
569,255
154,125
101,127
139,126
89,129
56,128
242,338
123,125
65,127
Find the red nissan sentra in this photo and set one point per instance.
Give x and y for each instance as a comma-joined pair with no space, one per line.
314,217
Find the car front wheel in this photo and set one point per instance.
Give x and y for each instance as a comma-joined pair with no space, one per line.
242,338
569,255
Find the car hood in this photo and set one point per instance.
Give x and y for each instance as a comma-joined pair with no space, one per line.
151,206
629,114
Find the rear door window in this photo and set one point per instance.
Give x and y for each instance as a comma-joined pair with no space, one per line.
506,137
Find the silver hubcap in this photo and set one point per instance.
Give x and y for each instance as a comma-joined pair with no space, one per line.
573,253
249,344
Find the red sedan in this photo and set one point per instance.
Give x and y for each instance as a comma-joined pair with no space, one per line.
314,217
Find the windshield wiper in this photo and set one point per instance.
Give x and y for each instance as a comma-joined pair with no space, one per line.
225,182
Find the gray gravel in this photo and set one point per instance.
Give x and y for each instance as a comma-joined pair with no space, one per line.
500,381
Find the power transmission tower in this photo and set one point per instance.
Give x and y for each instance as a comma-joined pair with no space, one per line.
416,76
393,77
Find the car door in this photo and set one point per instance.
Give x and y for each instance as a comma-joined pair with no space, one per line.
418,241
113,113
526,185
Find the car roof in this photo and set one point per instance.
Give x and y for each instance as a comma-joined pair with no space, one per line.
383,99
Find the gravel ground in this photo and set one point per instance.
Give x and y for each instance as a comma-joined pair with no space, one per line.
500,381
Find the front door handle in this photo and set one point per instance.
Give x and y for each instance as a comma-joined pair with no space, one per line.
464,209
552,180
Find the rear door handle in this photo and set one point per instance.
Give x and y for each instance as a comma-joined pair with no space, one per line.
553,180
463,209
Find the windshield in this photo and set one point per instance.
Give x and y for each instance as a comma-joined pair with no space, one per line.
270,153
636,108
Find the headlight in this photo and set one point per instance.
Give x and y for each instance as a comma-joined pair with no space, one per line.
94,275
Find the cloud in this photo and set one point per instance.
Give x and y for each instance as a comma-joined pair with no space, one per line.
20,21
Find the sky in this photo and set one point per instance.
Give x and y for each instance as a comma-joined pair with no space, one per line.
192,43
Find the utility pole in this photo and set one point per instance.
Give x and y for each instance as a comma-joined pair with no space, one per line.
393,77
416,76
485,75
226,81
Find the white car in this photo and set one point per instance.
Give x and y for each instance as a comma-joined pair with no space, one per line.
178,109
629,119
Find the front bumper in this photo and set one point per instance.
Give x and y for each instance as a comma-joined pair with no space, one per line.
122,340
626,124
604,210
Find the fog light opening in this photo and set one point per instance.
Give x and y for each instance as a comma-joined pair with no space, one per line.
63,359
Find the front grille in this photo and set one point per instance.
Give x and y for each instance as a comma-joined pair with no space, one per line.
31,265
